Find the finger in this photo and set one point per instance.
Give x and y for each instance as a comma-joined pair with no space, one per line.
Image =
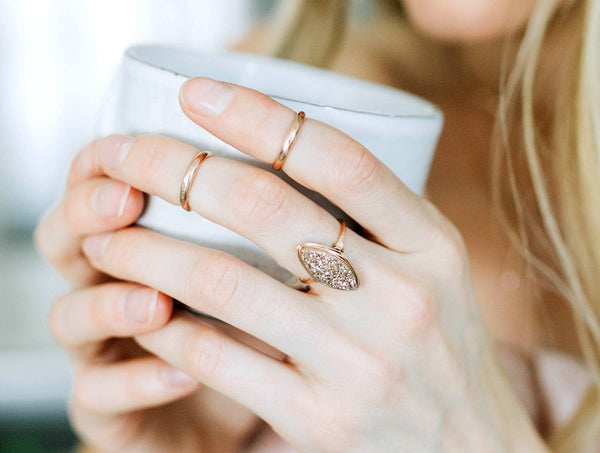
265,386
239,196
82,318
323,159
88,207
218,284
84,165
107,408
131,385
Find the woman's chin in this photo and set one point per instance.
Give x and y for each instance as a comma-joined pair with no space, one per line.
467,21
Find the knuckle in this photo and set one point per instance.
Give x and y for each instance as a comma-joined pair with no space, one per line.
356,171
447,244
74,165
124,431
72,211
123,248
267,117
264,199
101,316
135,391
83,163
83,396
216,281
203,352
152,165
378,375
451,248
51,242
339,423
419,307
120,433
42,241
56,320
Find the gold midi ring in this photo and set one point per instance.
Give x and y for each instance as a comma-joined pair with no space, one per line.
328,265
288,144
188,179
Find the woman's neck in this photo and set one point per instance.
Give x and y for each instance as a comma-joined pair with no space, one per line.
436,70
486,65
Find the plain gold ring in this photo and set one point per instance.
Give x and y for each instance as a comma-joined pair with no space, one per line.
188,178
288,144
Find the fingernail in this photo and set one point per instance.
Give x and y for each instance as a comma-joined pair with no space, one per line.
206,96
110,199
112,150
139,305
94,246
173,376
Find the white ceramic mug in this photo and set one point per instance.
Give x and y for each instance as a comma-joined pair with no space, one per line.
399,128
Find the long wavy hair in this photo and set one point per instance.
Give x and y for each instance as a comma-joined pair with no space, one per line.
546,178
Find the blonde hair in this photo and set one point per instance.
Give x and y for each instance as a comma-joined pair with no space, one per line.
560,151
547,164
307,31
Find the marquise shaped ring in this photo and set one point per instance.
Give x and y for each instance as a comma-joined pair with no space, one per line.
328,265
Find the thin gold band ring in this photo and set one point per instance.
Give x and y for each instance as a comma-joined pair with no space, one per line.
288,144
188,178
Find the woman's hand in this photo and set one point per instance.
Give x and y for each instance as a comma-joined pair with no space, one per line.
92,204
123,398
401,364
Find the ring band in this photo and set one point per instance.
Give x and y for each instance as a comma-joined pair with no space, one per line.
188,178
328,265
288,144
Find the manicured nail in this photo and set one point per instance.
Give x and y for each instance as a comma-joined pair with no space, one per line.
110,199
139,305
173,376
206,96
94,246
111,151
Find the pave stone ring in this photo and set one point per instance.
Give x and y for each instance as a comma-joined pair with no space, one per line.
328,265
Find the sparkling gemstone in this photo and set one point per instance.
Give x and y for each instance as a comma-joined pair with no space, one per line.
328,266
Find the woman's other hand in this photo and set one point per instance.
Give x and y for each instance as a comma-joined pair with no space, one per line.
92,203
124,399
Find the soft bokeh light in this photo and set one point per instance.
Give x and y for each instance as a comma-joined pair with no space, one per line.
58,60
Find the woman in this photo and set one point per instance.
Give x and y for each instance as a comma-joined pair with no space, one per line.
405,362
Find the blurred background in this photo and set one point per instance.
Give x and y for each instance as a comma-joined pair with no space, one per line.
57,61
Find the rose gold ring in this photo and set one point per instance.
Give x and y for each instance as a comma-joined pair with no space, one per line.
328,265
188,178
288,144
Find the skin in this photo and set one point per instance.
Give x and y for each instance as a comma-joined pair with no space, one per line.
468,21
412,334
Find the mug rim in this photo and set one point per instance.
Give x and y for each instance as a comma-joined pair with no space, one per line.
138,53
